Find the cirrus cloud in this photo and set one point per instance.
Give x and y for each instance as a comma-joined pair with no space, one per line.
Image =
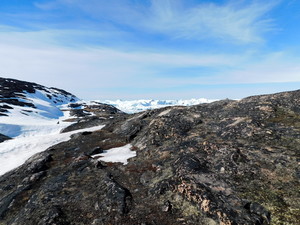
234,21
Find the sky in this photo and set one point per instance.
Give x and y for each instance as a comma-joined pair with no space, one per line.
153,49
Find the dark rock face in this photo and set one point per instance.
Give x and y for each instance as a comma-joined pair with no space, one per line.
227,162
15,88
92,115
12,91
3,138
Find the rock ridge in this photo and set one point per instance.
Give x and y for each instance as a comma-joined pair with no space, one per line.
227,162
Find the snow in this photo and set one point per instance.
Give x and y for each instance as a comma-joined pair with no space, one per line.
35,139
120,154
46,112
10,130
134,106
45,106
34,129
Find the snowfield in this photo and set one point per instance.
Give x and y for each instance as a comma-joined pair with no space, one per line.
15,152
34,129
135,106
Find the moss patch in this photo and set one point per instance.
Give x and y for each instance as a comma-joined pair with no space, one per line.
285,117
276,200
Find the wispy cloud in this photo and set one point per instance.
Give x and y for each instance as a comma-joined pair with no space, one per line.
29,55
155,46
275,67
234,21
107,68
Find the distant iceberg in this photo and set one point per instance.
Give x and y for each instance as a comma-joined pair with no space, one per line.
133,106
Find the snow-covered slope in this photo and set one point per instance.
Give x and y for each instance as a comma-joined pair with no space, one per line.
35,139
20,97
24,104
32,116
141,105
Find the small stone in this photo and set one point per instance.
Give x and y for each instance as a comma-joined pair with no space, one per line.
167,206
222,170
96,150
97,222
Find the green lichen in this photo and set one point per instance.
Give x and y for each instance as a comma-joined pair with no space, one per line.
166,173
186,208
285,117
275,200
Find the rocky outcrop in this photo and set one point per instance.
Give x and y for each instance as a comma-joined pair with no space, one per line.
14,93
87,115
227,162
3,138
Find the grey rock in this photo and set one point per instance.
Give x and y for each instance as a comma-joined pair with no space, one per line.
38,162
227,162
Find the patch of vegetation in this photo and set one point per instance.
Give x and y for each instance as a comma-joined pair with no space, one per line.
186,208
285,117
274,199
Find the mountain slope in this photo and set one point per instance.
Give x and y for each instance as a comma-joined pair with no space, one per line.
226,162
32,117
30,98
29,119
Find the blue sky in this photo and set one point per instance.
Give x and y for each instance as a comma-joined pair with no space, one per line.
159,49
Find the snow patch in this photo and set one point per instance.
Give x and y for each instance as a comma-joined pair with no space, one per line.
15,152
120,154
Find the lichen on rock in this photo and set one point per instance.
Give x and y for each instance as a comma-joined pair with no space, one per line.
226,162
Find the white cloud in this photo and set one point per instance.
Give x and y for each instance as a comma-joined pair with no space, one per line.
90,69
46,5
277,67
234,21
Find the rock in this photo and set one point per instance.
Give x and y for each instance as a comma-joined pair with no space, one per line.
3,138
146,178
86,133
53,216
227,162
96,150
5,202
13,93
167,206
97,222
33,178
38,162
190,164
119,198
265,215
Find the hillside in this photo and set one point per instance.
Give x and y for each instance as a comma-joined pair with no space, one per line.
226,162
32,117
